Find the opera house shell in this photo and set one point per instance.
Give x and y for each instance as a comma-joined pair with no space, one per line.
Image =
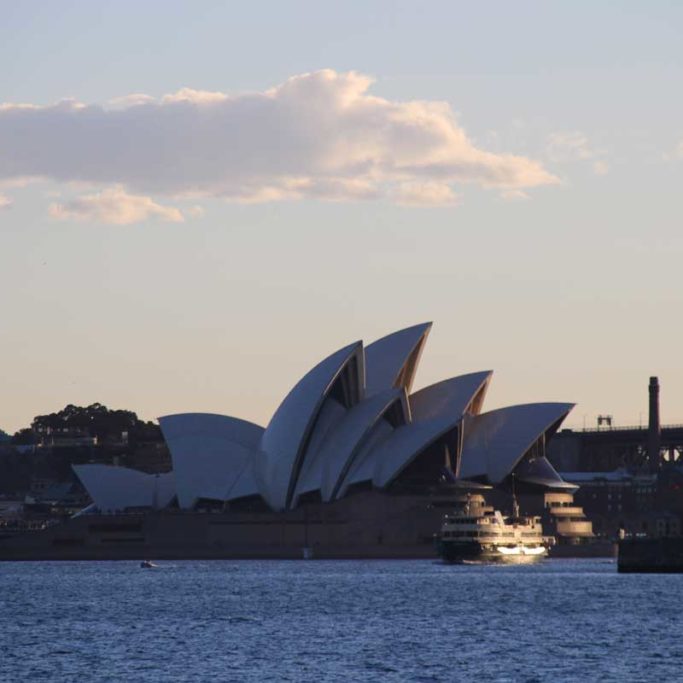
352,463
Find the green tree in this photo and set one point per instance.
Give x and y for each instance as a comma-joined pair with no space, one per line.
97,420
24,437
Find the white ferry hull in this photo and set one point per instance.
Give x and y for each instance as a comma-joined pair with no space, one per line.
522,551
460,552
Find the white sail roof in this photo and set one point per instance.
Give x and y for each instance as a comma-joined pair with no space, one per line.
539,471
185,424
494,442
347,421
285,439
335,455
435,410
117,488
456,395
392,360
209,453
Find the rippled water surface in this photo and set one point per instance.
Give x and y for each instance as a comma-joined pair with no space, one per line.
564,620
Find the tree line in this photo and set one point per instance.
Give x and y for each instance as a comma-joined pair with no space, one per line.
95,420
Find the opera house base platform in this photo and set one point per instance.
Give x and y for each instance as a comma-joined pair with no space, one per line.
366,525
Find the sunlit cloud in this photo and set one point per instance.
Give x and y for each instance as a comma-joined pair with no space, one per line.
5,202
572,146
319,136
131,100
114,205
425,194
568,146
600,167
195,211
514,195
674,154
16,182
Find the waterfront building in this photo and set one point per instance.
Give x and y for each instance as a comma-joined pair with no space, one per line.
353,463
351,424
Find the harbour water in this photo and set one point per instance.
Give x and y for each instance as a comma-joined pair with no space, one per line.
562,620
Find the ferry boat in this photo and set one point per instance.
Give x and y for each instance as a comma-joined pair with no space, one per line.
476,532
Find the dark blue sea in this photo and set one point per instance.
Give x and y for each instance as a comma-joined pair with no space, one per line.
564,620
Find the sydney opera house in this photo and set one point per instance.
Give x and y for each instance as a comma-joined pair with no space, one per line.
353,463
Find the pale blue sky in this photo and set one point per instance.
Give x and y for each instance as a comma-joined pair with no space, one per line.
573,294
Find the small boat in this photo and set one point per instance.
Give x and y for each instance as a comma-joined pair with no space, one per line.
146,564
477,532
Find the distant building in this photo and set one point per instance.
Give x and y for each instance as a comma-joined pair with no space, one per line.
617,499
66,439
628,476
